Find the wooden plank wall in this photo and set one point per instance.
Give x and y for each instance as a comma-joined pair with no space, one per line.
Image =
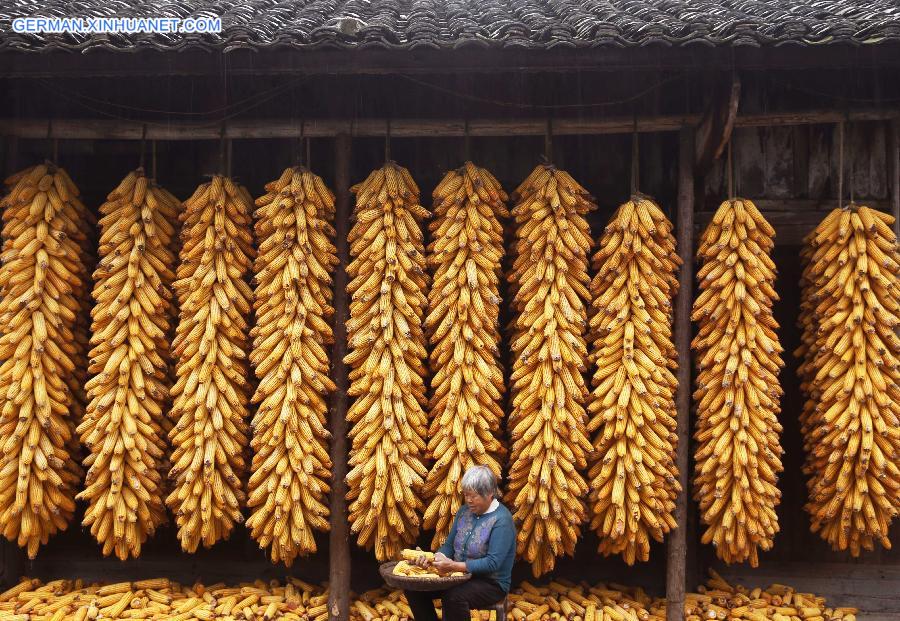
791,173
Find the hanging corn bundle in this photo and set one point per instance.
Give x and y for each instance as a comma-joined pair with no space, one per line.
211,390
463,314
291,468
851,423
547,422
42,281
384,333
633,476
125,421
738,456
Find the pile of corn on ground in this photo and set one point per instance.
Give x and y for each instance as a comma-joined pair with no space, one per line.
160,598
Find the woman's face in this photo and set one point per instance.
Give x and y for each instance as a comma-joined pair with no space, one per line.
477,503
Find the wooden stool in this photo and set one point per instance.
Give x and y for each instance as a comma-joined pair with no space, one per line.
499,609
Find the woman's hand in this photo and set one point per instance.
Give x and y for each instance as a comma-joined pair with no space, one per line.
445,566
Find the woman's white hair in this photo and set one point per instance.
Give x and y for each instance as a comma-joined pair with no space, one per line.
480,480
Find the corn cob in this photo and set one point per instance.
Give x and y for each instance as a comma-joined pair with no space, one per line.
387,351
164,600
379,605
211,390
407,568
463,313
738,456
547,422
633,476
291,466
719,600
125,420
565,600
408,554
851,372
559,600
42,281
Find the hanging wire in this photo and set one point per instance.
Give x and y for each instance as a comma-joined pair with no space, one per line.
296,145
387,141
51,145
635,158
838,97
153,159
251,101
840,188
729,170
228,151
467,152
515,104
142,147
852,172
222,150
308,156
548,141
200,125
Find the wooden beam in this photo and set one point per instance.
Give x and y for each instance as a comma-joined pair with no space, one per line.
894,170
339,537
677,550
479,59
102,129
317,128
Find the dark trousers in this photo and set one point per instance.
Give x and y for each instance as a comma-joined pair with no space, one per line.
457,602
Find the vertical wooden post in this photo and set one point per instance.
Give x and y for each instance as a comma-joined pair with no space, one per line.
12,557
894,170
339,537
676,560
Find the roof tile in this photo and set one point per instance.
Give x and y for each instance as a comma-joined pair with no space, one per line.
407,24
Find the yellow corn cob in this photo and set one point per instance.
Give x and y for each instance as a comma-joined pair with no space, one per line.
719,599
164,600
547,423
387,351
43,280
296,257
464,305
633,476
408,554
407,568
125,421
851,376
211,390
737,396
560,600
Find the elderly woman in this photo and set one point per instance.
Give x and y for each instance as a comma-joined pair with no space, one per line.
482,541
